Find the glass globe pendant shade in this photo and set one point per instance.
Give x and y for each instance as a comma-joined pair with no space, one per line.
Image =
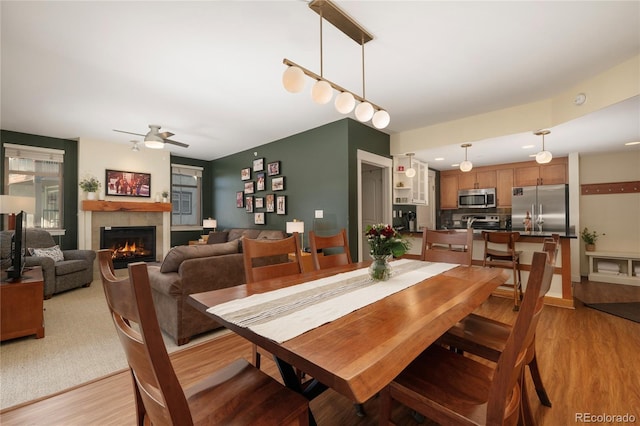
345,102
364,111
466,166
381,119
410,172
321,92
543,157
293,80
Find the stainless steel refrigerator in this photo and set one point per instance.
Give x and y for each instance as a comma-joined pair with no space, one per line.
545,206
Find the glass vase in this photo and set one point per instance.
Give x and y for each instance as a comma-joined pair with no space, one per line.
380,270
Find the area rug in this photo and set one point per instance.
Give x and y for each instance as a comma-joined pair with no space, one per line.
627,310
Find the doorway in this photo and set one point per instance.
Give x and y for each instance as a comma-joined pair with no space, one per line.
374,195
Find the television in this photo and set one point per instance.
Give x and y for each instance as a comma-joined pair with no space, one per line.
18,244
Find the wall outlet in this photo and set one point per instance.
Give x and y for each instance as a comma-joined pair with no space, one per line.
319,214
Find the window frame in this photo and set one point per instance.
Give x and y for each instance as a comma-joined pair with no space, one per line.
195,172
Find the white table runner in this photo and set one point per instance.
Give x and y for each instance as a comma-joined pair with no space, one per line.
285,313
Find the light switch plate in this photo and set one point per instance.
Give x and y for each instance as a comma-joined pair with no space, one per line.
319,214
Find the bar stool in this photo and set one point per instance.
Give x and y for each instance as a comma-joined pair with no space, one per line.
499,251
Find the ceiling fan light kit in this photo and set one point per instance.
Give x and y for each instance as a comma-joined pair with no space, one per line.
322,90
544,156
154,139
466,165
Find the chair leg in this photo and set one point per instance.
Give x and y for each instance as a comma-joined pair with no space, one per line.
516,286
537,381
525,407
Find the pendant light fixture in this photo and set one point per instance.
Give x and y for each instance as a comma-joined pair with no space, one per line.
466,165
322,91
410,172
544,156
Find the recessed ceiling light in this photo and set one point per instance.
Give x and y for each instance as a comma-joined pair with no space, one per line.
438,159
455,165
527,146
632,143
532,155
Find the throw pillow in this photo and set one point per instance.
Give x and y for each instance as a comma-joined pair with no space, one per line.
177,255
53,252
217,237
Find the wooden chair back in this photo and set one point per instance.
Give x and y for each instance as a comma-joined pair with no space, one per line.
500,248
265,259
447,246
159,395
329,258
511,361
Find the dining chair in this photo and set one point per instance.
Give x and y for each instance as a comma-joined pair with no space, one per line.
264,259
447,246
236,394
487,338
453,389
500,251
329,251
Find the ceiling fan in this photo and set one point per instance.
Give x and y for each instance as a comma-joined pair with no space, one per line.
154,139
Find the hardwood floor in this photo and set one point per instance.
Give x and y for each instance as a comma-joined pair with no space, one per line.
588,360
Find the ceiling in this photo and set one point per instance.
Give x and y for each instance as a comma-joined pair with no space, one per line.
210,71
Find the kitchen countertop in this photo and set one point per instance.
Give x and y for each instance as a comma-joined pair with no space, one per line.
542,234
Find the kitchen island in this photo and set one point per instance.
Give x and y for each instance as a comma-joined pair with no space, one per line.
560,293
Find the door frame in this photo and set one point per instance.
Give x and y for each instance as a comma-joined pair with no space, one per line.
386,164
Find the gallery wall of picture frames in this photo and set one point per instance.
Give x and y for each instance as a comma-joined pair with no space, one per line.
256,180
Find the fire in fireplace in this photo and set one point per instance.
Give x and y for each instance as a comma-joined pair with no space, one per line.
129,244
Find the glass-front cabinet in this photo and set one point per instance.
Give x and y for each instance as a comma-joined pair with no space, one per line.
410,190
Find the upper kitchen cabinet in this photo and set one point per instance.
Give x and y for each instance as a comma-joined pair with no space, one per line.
533,173
477,179
409,190
449,190
504,188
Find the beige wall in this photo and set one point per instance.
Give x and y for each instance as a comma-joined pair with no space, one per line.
616,215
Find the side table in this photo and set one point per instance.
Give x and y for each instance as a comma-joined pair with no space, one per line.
21,305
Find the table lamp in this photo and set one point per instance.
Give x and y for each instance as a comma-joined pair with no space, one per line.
211,224
297,226
12,204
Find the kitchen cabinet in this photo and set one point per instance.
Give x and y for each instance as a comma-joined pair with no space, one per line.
477,179
448,190
408,190
541,174
504,189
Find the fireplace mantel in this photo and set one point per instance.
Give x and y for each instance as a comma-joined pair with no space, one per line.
124,206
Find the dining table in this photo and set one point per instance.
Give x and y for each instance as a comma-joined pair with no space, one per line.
354,351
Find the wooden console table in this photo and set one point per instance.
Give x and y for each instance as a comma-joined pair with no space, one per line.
21,310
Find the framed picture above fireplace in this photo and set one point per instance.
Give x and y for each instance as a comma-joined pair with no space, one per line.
127,184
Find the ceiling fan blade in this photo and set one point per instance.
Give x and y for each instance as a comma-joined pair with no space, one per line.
165,135
184,145
130,133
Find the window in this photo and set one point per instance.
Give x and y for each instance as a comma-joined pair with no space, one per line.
36,172
186,195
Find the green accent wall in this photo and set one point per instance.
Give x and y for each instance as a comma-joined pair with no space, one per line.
320,171
70,170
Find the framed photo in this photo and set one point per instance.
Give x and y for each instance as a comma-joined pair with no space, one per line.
258,202
260,181
248,204
245,174
271,203
273,168
281,204
239,199
127,184
249,187
258,218
277,184
258,164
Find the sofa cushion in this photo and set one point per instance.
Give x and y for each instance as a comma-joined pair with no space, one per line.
178,254
53,252
271,235
217,237
70,266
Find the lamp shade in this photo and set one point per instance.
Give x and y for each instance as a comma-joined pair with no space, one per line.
543,157
295,226
321,92
209,223
153,142
293,80
12,204
410,172
345,102
364,111
466,166
381,119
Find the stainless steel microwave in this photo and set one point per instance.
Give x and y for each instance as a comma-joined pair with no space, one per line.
477,198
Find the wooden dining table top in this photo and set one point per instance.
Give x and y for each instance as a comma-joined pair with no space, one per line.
360,353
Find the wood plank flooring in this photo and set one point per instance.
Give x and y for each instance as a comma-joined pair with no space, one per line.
588,359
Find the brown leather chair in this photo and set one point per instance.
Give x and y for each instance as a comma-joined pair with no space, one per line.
447,246
450,388
500,251
334,250
264,259
237,394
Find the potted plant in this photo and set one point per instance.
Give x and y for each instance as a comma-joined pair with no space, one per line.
165,196
589,238
90,185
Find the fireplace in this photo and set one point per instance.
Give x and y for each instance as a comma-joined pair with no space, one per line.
129,244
